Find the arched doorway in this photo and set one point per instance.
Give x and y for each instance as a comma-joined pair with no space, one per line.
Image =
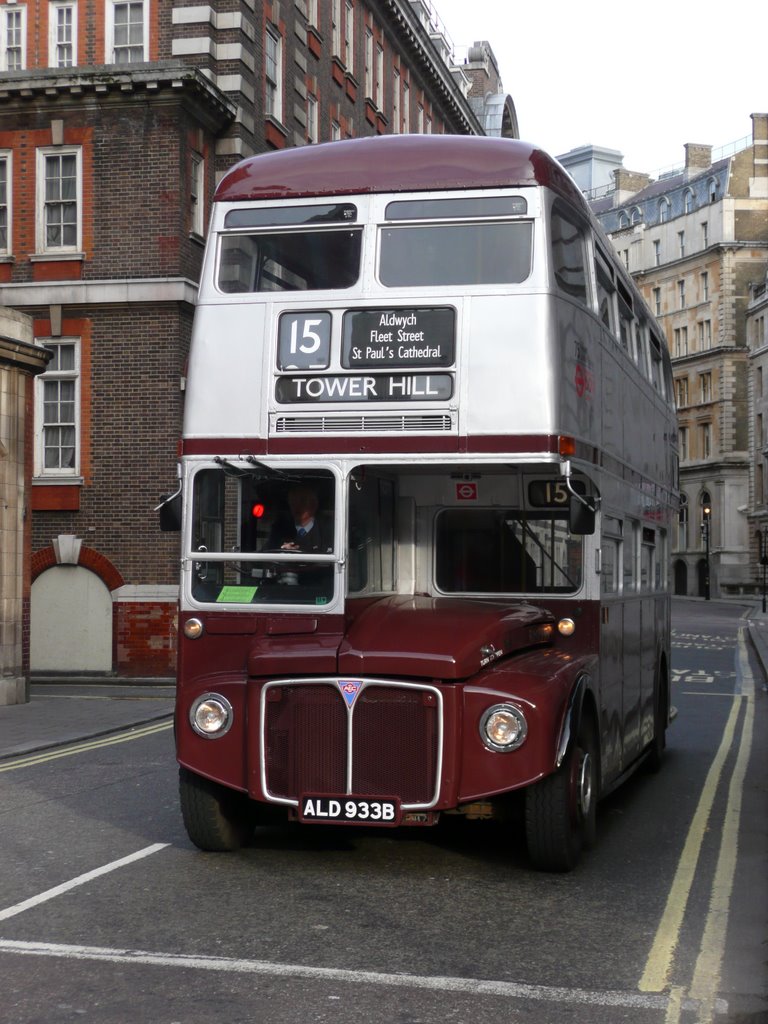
71,622
681,577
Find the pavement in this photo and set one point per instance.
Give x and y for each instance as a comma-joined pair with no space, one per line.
69,710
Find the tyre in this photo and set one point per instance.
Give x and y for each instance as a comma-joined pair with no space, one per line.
655,758
217,819
561,810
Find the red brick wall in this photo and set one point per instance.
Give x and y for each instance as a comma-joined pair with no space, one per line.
145,638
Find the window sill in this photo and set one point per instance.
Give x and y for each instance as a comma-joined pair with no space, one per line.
56,257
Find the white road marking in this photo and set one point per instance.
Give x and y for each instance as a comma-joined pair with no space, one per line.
471,986
49,894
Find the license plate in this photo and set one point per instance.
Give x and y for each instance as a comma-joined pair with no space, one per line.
349,810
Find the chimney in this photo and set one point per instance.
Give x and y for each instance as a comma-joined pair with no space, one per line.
628,184
758,185
697,157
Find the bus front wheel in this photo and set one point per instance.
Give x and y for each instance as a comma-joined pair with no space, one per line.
216,818
561,809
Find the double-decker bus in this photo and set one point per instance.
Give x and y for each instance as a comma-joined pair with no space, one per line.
428,469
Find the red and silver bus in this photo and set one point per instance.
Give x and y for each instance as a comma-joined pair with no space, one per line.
428,469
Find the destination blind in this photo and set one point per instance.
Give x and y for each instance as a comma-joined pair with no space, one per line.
386,339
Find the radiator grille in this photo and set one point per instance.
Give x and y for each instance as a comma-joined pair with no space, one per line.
434,423
393,747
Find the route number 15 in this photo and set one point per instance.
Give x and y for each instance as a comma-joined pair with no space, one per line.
304,341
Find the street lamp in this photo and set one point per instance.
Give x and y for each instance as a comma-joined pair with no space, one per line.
706,512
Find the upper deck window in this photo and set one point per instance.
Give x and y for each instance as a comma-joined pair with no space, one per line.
290,216
434,255
443,209
568,256
311,260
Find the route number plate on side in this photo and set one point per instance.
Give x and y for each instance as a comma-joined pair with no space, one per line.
349,810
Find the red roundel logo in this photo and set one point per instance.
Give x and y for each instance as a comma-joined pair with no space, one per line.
466,492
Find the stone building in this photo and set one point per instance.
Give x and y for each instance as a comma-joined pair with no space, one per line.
20,362
694,240
116,119
757,340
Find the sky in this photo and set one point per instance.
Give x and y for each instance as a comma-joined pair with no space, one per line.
643,83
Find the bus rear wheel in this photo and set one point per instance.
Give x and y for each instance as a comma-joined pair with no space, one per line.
217,819
561,810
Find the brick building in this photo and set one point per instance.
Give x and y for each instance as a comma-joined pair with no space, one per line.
695,241
116,118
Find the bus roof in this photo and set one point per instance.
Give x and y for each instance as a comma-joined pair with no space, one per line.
396,163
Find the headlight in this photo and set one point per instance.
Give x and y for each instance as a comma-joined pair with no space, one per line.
566,627
211,716
503,728
193,628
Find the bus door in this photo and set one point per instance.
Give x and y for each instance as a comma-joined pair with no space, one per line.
620,644
634,626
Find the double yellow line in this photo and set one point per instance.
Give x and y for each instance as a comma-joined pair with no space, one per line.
706,976
79,748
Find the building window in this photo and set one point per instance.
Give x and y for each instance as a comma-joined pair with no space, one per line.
681,392
712,190
704,286
705,387
336,28
127,32
379,76
335,131
682,438
13,34
704,234
396,101
681,243
349,37
273,71
313,119
682,529
759,382
759,430
688,200
5,202
681,294
636,216
312,12
681,341
623,220
406,108
59,189
657,252
657,301
62,26
663,210
57,415
705,439
705,335
197,194
368,83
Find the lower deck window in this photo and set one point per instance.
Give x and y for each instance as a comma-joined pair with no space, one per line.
500,551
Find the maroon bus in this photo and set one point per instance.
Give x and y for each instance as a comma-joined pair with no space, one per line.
427,476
